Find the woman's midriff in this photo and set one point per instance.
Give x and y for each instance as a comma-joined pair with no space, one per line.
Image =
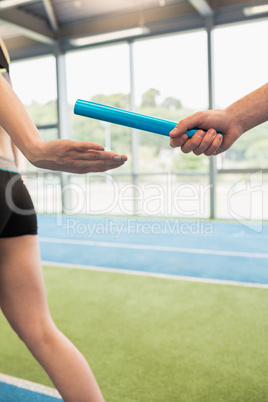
6,149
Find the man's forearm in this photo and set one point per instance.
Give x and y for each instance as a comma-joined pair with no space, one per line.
251,110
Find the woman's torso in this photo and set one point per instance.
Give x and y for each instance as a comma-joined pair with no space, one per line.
6,148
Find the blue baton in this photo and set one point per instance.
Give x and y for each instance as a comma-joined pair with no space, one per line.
126,118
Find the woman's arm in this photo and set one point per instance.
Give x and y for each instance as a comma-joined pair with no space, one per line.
64,155
241,116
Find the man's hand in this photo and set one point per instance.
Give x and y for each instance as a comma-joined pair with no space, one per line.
209,143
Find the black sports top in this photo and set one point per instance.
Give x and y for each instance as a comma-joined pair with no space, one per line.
4,58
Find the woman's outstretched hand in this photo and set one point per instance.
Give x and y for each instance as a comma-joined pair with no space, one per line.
75,157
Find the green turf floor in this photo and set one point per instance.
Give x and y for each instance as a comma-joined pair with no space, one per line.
150,339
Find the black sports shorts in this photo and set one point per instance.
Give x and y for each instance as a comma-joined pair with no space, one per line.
17,214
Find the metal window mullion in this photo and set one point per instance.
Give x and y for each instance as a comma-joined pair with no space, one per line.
63,116
212,160
134,134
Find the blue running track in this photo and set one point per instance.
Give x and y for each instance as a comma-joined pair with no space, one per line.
199,250
225,251
12,393
17,390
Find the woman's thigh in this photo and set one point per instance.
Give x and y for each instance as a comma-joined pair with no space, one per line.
22,289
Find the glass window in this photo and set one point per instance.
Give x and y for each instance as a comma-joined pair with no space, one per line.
164,194
45,188
241,65
183,196
101,75
243,197
34,81
170,82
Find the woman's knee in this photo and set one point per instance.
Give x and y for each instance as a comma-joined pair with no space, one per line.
35,333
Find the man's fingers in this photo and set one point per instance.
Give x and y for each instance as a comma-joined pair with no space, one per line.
206,142
212,150
201,142
193,142
178,141
188,123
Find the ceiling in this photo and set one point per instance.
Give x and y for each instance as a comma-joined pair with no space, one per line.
38,27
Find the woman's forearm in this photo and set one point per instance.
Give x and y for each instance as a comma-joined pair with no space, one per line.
61,155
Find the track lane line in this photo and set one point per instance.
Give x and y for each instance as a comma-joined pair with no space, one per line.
155,275
224,253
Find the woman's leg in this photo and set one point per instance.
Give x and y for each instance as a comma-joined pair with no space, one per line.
24,303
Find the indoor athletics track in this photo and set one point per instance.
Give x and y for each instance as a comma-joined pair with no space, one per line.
198,250
17,390
194,250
